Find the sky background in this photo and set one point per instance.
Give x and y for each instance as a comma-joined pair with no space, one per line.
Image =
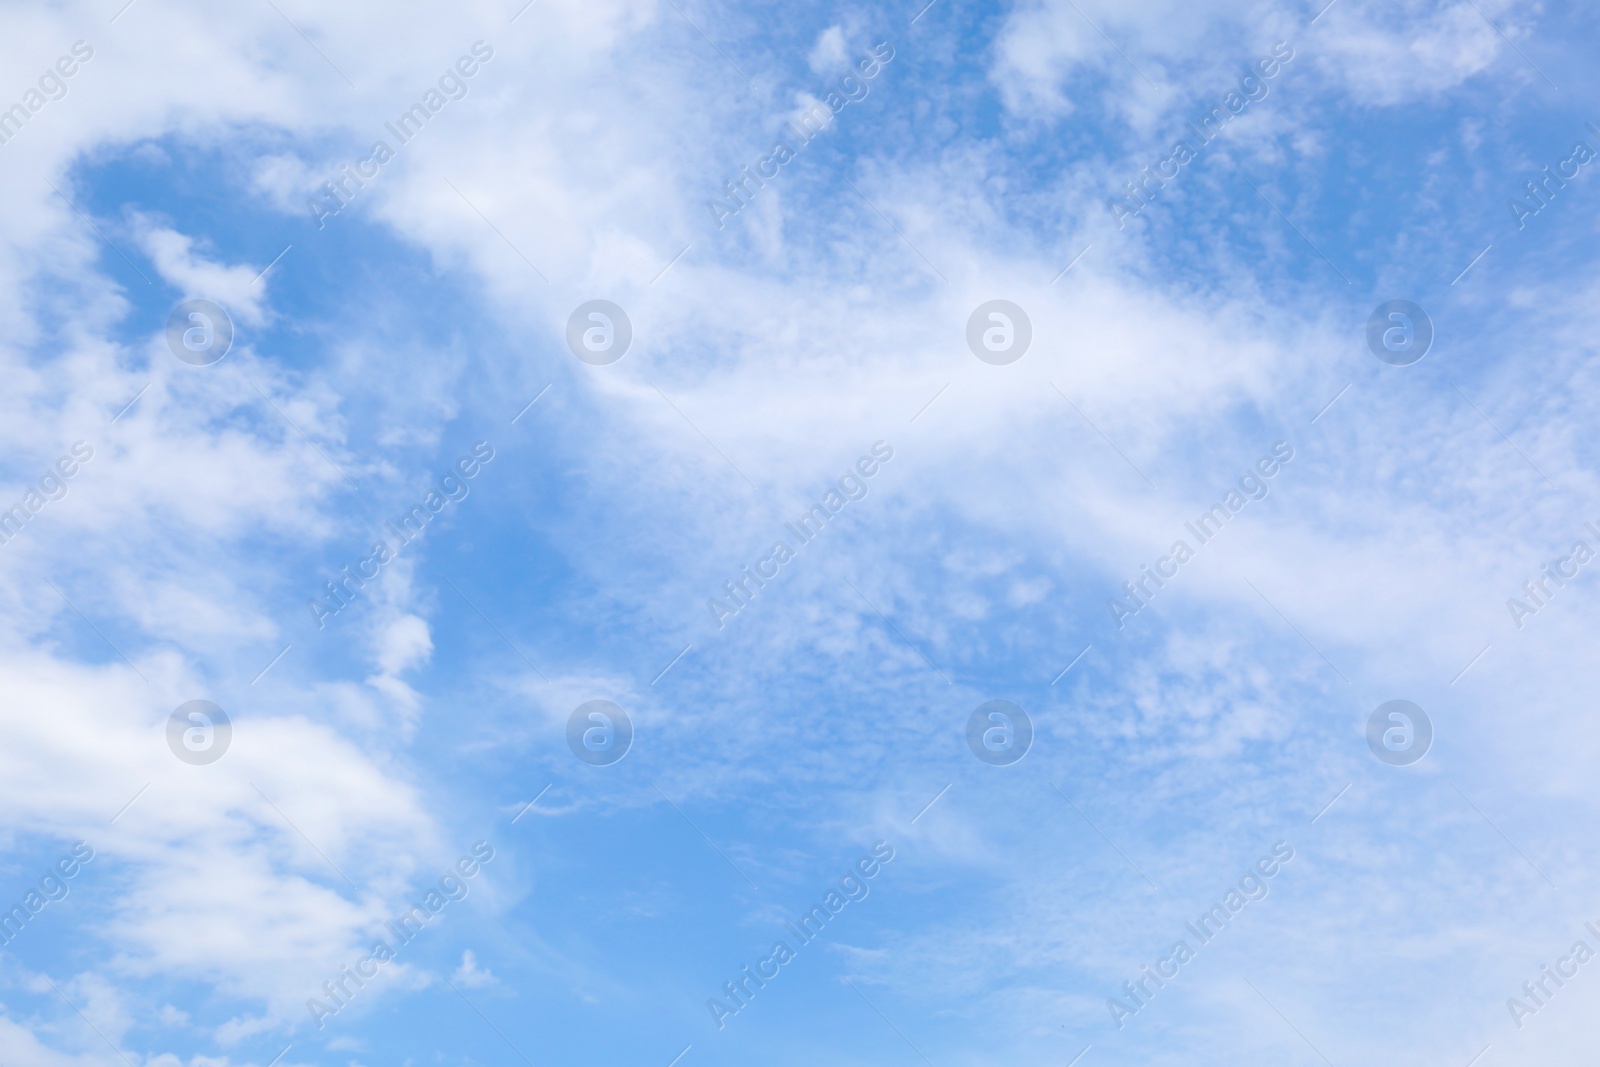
771,349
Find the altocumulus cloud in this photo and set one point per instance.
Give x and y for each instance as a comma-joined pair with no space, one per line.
764,355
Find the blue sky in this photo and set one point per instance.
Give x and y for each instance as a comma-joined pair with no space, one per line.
825,322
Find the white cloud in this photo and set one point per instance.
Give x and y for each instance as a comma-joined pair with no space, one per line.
172,1016
186,269
1383,56
829,53
841,335
469,974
